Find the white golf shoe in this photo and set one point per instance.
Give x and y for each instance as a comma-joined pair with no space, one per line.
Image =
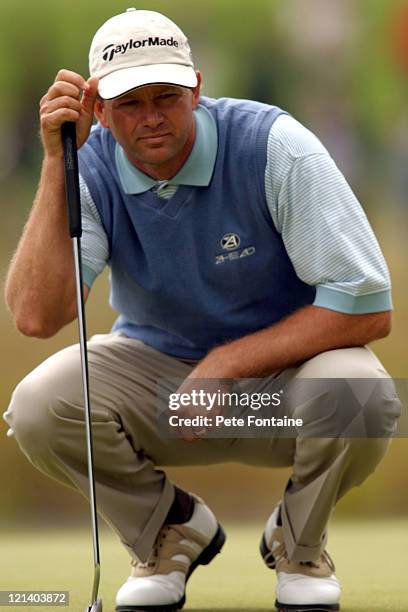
302,587
158,585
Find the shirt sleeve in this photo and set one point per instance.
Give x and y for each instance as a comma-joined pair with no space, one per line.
94,242
324,228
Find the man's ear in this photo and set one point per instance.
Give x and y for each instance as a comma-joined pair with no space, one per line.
196,90
100,113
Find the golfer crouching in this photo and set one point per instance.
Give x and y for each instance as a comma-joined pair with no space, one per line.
237,251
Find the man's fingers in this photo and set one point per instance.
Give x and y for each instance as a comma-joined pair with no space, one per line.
62,88
192,434
92,83
55,112
70,98
52,122
190,438
63,102
188,434
90,94
72,77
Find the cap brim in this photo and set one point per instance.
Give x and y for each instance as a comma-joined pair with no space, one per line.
121,81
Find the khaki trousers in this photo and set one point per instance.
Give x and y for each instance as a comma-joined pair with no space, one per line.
134,496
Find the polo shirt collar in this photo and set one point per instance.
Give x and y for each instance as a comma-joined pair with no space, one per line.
197,169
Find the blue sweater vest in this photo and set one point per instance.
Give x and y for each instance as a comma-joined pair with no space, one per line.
208,265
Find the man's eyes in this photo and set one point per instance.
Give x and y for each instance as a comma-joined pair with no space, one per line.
160,97
166,96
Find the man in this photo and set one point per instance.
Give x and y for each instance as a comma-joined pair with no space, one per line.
237,251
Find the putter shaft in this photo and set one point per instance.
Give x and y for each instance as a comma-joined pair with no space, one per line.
85,379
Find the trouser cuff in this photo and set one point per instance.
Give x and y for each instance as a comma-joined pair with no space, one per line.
296,551
141,549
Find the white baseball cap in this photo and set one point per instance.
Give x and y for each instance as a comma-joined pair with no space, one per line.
139,48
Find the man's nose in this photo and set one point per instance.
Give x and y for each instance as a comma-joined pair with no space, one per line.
152,117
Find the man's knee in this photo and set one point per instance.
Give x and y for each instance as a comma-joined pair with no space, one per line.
31,416
354,362
347,393
34,410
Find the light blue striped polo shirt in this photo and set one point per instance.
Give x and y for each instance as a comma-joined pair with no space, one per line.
324,229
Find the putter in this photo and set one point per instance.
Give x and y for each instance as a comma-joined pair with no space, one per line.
68,134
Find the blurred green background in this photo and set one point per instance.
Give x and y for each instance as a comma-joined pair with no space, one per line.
340,67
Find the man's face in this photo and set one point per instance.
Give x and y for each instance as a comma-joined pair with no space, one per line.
154,125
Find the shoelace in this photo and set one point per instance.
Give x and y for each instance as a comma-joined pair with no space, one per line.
325,559
154,555
273,557
328,560
279,553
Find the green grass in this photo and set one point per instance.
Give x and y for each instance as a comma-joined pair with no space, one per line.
371,561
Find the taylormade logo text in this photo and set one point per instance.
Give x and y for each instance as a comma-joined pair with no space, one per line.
110,51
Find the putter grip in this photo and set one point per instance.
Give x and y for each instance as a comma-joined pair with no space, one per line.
68,134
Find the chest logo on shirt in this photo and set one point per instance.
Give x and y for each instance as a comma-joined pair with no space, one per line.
230,243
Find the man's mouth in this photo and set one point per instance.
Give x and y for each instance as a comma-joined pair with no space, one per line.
154,137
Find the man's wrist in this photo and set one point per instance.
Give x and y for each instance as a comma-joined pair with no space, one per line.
217,364
54,158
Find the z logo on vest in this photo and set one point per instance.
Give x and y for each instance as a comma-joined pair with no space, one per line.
231,242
